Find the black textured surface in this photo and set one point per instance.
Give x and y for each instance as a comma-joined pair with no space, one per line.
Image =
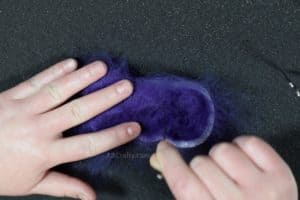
182,37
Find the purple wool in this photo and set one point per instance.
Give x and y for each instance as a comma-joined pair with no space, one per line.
180,110
168,107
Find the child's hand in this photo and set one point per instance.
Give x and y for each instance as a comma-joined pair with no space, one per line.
32,120
246,169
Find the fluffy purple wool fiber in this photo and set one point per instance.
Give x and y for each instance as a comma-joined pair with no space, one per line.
168,107
183,111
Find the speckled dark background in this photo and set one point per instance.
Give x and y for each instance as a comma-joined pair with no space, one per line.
183,37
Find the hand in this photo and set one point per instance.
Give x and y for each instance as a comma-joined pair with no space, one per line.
32,120
246,169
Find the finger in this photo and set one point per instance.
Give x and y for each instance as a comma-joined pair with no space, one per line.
183,183
87,145
261,153
235,163
58,91
61,185
32,85
217,182
84,108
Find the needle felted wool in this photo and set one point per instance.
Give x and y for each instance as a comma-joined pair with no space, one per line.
182,111
167,106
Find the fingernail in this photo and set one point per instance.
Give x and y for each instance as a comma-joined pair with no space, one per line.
242,140
97,68
195,163
162,151
124,87
70,64
163,146
154,163
133,129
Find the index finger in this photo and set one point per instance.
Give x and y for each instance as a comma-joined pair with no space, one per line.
182,181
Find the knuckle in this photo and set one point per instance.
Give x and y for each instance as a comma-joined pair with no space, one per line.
76,111
44,159
41,157
53,92
90,146
120,133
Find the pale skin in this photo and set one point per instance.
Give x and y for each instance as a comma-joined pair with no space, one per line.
246,169
33,117
34,114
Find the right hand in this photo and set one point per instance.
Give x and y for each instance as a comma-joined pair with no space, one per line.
247,169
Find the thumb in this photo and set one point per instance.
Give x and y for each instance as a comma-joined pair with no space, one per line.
61,185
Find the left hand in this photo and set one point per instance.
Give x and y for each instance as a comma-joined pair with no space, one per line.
33,116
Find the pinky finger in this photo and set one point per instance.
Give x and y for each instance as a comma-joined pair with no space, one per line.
61,185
